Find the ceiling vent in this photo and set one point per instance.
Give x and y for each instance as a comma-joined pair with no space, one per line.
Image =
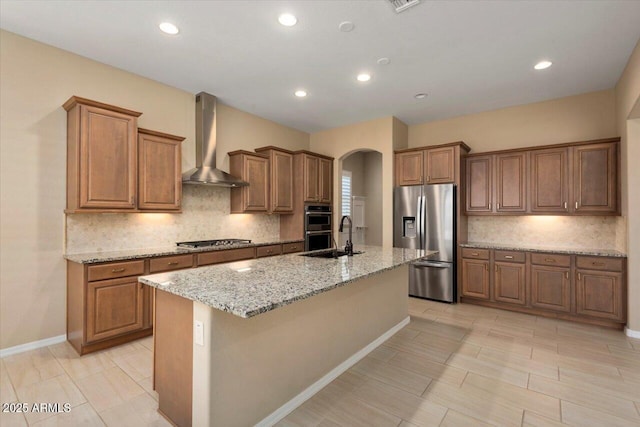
402,5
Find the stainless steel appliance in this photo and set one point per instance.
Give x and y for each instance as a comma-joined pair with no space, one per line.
317,227
209,243
424,218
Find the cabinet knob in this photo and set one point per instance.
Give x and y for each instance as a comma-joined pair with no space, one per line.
118,270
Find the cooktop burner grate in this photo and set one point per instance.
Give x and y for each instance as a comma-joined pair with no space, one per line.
208,243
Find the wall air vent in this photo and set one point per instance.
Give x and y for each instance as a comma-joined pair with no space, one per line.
402,5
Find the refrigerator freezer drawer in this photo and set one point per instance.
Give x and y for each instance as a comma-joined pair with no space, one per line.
432,279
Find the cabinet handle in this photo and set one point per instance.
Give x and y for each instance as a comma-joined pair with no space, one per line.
269,251
549,260
576,205
508,257
578,276
474,253
486,267
565,205
428,178
601,264
489,206
172,263
293,248
566,274
118,270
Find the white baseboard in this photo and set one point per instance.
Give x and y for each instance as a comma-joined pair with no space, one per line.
631,333
32,345
298,400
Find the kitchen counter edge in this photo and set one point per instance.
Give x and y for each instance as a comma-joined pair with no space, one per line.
132,254
532,248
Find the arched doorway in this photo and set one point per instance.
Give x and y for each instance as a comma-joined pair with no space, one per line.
361,196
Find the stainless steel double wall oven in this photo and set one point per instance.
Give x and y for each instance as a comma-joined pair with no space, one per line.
317,227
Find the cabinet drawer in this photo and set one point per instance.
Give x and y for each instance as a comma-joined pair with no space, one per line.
475,253
114,270
168,263
551,259
270,250
599,263
288,248
225,256
509,256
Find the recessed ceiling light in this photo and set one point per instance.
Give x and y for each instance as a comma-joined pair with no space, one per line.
169,28
363,77
287,19
384,61
300,93
543,65
420,96
346,26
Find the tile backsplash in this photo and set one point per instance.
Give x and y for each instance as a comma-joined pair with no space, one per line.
588,232
205,216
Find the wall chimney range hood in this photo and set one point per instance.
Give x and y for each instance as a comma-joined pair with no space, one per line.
205,172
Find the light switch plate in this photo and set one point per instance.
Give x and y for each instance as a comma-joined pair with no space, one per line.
198,332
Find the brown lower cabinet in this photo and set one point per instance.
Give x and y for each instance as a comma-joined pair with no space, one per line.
107,306
587,289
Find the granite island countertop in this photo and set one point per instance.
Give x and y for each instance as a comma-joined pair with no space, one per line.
536,248
251,287
131,254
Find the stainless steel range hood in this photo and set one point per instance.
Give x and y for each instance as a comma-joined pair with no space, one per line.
205,172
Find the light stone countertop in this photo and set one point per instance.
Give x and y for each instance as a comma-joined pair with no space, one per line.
251,287
130,254
535,248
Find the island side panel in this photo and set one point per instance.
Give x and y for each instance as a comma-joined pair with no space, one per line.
256,365
173,356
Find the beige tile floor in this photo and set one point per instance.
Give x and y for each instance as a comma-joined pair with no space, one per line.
457,365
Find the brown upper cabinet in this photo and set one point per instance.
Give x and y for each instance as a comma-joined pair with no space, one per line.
428,165
280,179
159,170
496,183
317,177
101,156
575,178
253,168
112,166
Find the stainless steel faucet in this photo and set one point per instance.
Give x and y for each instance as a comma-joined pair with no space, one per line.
348,247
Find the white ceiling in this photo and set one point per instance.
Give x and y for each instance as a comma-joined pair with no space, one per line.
469,56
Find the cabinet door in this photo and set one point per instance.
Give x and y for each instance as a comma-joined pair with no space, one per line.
475,278
311,184
595,178
256,195
147,306
159,172
600,294
549,180
511,193
440,165
478,184
113,307
107,159
281,182
509,283
325,180
409,168
550,288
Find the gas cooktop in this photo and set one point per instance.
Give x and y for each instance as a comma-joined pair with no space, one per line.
209,243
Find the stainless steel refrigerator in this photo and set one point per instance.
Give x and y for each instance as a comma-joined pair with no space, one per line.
424,217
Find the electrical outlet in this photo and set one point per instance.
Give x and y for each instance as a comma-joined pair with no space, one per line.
198,332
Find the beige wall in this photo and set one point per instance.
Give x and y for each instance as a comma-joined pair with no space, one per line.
627,107
575,118
35,81
370,135
373,192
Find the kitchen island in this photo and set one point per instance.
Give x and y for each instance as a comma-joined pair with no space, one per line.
269,332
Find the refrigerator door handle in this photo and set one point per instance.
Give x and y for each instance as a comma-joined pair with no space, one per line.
419,221
431,265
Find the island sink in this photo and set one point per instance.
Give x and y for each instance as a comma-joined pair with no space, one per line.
329,254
